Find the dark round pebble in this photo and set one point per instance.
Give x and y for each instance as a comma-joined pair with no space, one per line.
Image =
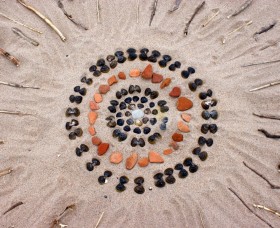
201,141
131,106
185,74
110,58
165,119
119,53
152,59
122,105
156,53
112,109
209,93
203,95
139,180
119,114
101,180
152,104
209,142
139,189
146,130
120,187
72,98
155,112
137,88
113,64
105,69
131,50
108,173
144,100
160,183
116,133
167,58
214,114
124,179
135,98
122,137
89,166
144,50
140,106
162,126
126,128
77,89
114,102
137,130
130,121
164,109
128,100
153,121
198,82
196,151
143,57
154,94
161,103
147,111
111,124
183,173
97,73
145,120
157,135
172,67
132,56
134,142
79,152
192,86
127,113
204,105
84,148
100,62
177,64
178,166
120,122
72,136
191,70
203,156
168,171
188,162
170,179
95,162
158,176
204,128
213,128
162,63
131,89
121,59
148,92
93,68
193,168
205,115
141,142
152,139
118,95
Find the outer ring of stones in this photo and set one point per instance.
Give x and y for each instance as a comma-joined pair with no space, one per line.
184,77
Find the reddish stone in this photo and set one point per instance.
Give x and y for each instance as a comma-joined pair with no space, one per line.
167,151
92,116
175,92
116,157
131,161
96,141
155,157
93,105
103,89
91,130
147,72
97,98
177,137
157,78
174,145
112,80
183,127
122,76
184,104
166,82
143,162
102,148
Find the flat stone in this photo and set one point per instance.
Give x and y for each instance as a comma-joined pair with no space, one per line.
131,161
134,73
137,114
102,148
175,92
116,157
143,162
184,104
177,137
92,116
183,127
122,75
91,130
186,117
147,72
112,80
93,105
157,78
96,141
155,157
168,151
166,82
97,98
103,89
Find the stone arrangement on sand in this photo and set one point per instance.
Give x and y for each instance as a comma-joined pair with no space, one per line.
139,115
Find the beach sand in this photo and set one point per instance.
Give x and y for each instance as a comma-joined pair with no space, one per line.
47,175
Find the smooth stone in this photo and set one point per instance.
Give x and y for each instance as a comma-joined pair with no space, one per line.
174,145
96,141
184,104
134,73
175,92
162,126
103,89
166,82
147,72
143,162
157,78
177,137
97,98
183,127
131,161
112,80
102,148
186,117
116,157
92,116
155,157
93,105
122,75
91,130
168,151
137,114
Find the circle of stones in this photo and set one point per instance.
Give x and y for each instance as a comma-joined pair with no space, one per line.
207,103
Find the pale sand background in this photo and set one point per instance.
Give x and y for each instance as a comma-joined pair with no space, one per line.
47,183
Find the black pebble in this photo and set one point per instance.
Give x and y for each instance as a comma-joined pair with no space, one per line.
170,179
131,50
201,141
161,103
137,130
164,109
137,88
198,82
152,104
204,128
193,168
155,112
100,62
108,173
113,64
101,180
148,92
131,89
119,114
145,120
92,68
89,166
124,92
116,133
203,95
143,57
146,130
191,70
112,109
135,98
156,53
127,113
158,176
122,105
124,180
185,74
134,142
121,59
105,69
97,73
110,58
203,156
154,94
122,136
152,59
213,128
139,189
128,100
162,63
129,121
118,95
132,56
167,58
120,122
160,183
177,64
172,67
126,128
144,50
196,151
114,102
119,53
183,173
120,187
168,171
139,180
153,121
178,166
192,86
140,106
209,142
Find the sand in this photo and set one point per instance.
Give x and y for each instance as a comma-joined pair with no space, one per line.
48,176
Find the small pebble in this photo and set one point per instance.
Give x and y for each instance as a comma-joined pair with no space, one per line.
183,173
162,126
152,104
130,121
192,86
145,120
179,166
148,92
191,70
177,64
124,92
114,102
155,157
152,59
132,56
122,105
140,106
112,109
154,95
139,189
105,69
97,73
164,109
128,100
110,58
118,95
122,137
143,162
137,130
126,128
116,133
153,121
143,57
172,67
120,122
122,75
121,59
139,180
127,113
156,53
120,187
165,119
119,114
113,64
167,58
147,111
144,100
155,112
185,74
162,63
170,179
135,98
93,68
198,82
146,130
131,161
100,62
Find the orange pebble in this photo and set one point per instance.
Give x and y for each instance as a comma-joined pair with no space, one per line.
96,141
112,80
143,162
177,137
97,98
167,151
91,130
174,145
186,117
183,127
93,105
102,148
147,72
134,73
166,82
155,157
103,89
92,116
122,76
131,161
116,157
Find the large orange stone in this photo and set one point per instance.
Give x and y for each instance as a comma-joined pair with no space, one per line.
102,148
147,72
103,89
93,105
116,157
177,137
184,104
112,80
122,76
92,116
131,161
143,162
155,157
166,82
183,127
157,78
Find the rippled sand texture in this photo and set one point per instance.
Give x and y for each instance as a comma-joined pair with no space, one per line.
48,175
